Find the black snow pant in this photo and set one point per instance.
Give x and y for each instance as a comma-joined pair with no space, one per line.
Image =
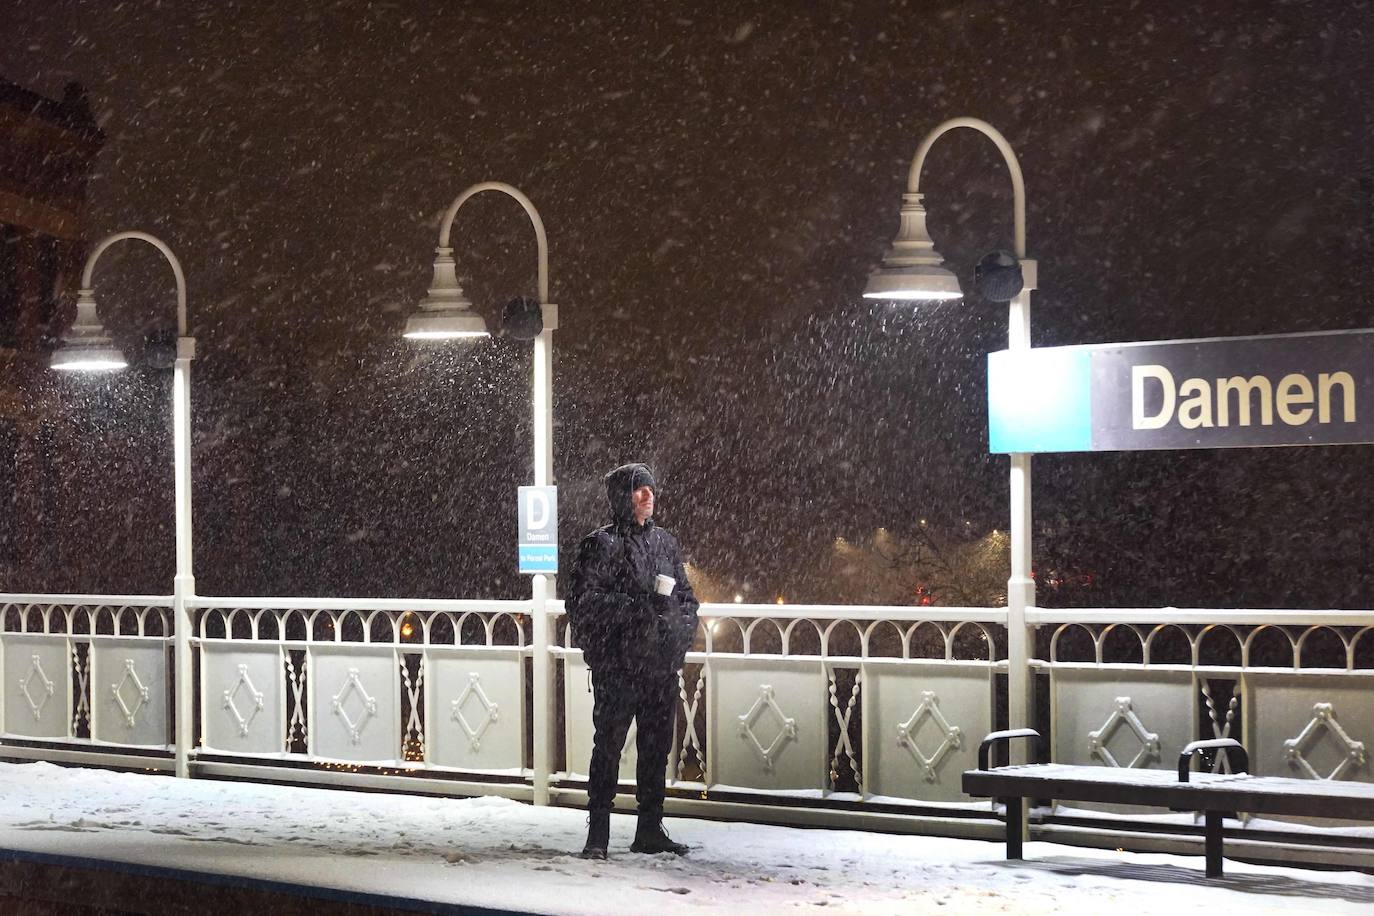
649,699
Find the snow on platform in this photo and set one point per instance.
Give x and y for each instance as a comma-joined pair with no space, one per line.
501,854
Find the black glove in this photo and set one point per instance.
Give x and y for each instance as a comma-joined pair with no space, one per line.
667,607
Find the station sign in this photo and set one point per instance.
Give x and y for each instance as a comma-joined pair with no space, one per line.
1227,392
537,513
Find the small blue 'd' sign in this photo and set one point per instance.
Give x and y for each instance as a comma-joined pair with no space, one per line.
537,512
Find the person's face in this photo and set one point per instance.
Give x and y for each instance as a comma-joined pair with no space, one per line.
643,501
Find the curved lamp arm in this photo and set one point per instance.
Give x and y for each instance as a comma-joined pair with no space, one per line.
542,410
1018,185
184,584
1020,585
540,238
88,274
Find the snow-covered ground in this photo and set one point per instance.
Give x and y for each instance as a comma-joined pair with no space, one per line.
499,853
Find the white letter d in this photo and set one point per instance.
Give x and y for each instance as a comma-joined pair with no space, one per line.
1166,410
538,510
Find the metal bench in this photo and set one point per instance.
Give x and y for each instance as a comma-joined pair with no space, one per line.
1213,794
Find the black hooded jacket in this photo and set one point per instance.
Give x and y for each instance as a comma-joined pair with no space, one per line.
617,620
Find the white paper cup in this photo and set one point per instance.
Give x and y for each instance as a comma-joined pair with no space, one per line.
664,584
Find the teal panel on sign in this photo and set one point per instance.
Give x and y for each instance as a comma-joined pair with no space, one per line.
1040,400
538,559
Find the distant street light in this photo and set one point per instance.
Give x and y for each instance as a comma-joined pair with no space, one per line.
446,314
913,270
87,348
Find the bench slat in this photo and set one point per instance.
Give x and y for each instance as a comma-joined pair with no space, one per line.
1161,788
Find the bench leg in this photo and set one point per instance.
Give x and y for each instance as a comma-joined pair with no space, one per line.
1213,835
1015,826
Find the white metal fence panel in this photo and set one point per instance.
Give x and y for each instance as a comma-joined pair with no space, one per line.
129,701
1117,718
355,703
1291,685
243,705
923,723
1311,726
38,686
383,683
578,729
476,711
767,723
89,672
577,723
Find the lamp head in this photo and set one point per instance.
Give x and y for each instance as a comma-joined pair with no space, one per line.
86,347
446,313
523,318
998,278
160,348
913,270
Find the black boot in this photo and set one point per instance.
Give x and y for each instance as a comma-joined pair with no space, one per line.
598,835
650,836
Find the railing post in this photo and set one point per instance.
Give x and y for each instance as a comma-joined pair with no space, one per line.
543,692
184,695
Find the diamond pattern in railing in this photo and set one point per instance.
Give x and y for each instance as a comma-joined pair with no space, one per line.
1323,724
353,688
950,735
45,693
1124,715
766,708
489,712
254,696
140,698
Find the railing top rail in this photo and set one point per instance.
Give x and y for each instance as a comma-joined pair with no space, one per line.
99,600
1035,616
867,612
857,612
1204,616
495,605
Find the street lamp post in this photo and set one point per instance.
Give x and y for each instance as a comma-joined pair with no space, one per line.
446,314
913,270
87,347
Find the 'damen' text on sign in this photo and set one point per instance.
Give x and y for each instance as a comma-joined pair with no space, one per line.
1238,392
1243,401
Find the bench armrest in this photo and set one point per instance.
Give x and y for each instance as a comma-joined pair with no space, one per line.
1231,744
985,748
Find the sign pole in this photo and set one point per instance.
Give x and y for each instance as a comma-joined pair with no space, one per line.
537,516
543,691
1020,585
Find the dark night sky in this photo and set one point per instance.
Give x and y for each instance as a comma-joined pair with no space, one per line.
717,181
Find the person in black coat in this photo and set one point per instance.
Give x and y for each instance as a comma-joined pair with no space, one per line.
634,640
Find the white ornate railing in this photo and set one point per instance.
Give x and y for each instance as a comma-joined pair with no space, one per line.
856,704
87,673
802,713
1132,686
410,685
